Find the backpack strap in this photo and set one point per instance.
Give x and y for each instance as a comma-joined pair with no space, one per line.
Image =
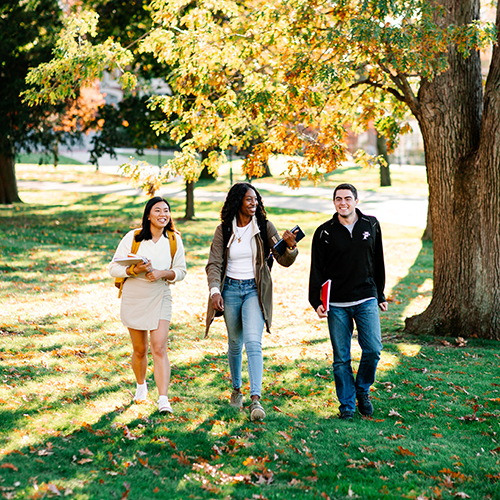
268,255
226,234
173,245
135,246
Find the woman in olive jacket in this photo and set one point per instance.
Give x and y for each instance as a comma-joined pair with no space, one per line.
240,284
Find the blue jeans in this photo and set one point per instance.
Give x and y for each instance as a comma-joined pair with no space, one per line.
340,325
245,324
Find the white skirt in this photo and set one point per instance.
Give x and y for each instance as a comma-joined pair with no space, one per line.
144,303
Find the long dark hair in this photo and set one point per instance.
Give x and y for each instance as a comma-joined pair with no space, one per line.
234,201
145,233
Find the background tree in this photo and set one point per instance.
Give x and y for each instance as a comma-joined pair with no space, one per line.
300,70
67,126
27,33
125,124
385,171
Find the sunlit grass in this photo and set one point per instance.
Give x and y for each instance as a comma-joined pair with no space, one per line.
66,380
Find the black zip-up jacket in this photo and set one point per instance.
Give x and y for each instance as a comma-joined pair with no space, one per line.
355,264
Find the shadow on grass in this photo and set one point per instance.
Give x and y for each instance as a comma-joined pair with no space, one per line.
407,289
209,450
63,240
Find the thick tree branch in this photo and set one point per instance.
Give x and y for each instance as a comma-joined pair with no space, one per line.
368,81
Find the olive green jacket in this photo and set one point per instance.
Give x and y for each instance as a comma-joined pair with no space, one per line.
217,266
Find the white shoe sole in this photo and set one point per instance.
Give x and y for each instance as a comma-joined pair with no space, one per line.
165,409
257,415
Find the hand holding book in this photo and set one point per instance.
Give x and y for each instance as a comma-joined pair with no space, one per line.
281,246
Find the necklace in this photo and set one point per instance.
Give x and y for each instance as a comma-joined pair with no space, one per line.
238,235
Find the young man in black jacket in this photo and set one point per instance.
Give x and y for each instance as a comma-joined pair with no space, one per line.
347,250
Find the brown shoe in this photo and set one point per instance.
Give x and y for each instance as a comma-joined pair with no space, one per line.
236,399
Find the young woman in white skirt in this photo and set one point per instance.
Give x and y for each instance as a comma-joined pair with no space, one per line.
146,303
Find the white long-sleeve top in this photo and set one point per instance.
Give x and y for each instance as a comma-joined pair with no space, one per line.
157,253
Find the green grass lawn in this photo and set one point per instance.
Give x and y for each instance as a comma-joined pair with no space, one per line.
68,427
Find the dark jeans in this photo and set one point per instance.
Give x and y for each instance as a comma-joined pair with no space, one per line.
341,325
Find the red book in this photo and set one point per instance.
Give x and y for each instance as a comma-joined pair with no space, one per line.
325,294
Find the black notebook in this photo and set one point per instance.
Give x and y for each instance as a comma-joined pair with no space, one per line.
280,247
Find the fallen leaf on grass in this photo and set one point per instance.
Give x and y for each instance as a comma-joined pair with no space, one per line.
404,452
181,458
423,370
53,489
285,435
461,494
393,437
351,493
84,461
9,466
394,413
126,492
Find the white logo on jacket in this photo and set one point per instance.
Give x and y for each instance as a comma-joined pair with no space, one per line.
366,234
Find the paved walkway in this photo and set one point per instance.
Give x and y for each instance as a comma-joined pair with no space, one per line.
394,209
391,208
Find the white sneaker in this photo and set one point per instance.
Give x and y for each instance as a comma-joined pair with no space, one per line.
164,405
141,393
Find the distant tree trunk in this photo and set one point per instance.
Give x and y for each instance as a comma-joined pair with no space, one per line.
205,174
8,183
55,153
385,171
461,133
189,200
267,170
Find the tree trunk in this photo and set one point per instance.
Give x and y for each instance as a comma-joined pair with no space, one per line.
189,200
462,149
8,183
267,170
205,174
55,153
385,171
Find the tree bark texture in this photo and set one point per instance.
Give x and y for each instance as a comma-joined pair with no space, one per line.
385,171
8,182
461,132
